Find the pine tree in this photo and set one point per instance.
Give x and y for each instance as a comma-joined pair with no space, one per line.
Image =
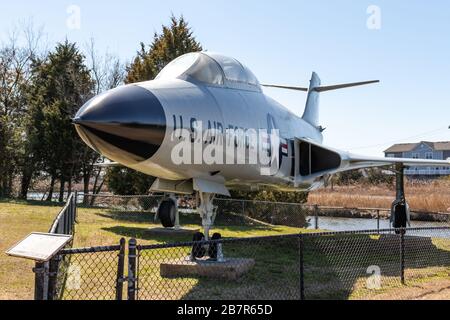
61,84
174,41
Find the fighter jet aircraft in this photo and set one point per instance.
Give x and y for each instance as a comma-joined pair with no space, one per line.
196,101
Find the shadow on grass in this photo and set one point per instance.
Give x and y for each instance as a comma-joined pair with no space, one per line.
336,267
147,234
132,217
224,221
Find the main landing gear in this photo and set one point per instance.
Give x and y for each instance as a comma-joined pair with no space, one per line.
168,213
400,216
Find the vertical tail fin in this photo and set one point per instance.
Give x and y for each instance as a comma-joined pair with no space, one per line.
311,113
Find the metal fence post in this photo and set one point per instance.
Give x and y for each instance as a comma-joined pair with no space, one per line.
302,267
402,255
120,270
53,276
65,220
75,212
40,280
316,217
132,269
378,221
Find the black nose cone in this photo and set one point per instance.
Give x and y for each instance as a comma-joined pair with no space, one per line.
127,124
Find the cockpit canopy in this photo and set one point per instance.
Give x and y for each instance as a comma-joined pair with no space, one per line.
210,68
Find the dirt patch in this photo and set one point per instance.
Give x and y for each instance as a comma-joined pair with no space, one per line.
432,290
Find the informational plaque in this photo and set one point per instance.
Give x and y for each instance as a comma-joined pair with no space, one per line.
39,246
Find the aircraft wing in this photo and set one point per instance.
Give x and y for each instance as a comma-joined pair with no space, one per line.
314,160
107,165
355,161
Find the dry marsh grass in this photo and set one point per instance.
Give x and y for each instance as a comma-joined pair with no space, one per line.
427,196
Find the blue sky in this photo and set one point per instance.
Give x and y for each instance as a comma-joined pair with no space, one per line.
283,42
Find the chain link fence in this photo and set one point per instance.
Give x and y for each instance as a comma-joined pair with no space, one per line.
343,265
47,274
255,268
95,273
245,212
362,264
255,212
314,266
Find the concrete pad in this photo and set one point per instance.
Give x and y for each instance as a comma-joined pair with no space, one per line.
172,231
230,269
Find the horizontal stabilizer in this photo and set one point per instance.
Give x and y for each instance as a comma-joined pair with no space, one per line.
323,88
345,85
285,87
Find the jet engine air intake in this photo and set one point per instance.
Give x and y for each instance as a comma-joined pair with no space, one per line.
315,159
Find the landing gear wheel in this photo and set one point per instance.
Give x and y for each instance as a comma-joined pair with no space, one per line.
167,213
213,246
198,251
400,217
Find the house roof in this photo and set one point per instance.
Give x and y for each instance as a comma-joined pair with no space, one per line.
406,147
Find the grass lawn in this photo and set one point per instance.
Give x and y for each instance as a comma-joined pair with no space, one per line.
17,220
96,227
335,268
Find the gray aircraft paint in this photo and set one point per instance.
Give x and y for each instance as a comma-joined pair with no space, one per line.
240,105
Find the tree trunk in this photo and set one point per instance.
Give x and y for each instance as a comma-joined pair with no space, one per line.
27,175
86,180
10,185
97,192
94,190
61,190
52,187
69,188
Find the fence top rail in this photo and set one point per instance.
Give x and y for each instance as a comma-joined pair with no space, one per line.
122,196
61,214
303,205
225,240
372,231
89,250
286,236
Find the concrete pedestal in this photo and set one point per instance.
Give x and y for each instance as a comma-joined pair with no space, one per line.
230,269
172,231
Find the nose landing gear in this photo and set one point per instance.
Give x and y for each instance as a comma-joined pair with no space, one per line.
168,215
207,212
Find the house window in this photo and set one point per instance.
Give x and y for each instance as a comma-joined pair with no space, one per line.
429,155
391,155
416,156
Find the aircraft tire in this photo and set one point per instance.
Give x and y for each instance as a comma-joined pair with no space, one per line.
166,213
198,251
213,247
400,218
